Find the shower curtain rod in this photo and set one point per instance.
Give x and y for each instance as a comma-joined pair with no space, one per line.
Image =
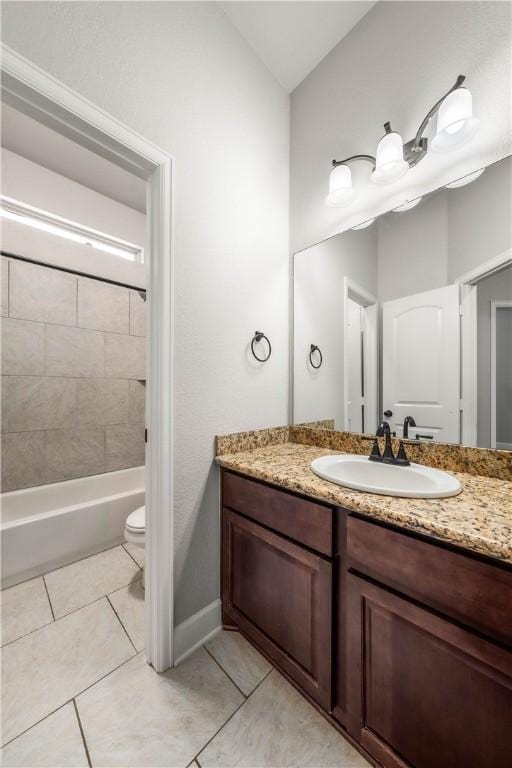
72,271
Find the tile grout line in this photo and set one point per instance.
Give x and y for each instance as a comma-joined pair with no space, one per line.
196,757
82,734
132,557
210,654
121,623
68,701
48,596
10,642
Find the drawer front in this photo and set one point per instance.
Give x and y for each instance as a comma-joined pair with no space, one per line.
279,594
304,521
468,590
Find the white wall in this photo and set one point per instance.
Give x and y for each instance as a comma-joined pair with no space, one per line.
394,65
179,74
35,185
319,314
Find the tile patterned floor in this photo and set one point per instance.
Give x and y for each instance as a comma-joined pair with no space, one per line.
77,690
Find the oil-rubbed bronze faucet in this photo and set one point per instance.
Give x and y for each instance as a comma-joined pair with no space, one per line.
388,457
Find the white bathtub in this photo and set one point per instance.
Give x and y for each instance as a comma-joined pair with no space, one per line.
51,525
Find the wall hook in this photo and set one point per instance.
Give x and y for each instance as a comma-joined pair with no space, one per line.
312,351
259,336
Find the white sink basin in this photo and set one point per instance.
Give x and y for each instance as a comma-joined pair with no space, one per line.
361,474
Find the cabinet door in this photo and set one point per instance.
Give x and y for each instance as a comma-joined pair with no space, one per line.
422,691
279,594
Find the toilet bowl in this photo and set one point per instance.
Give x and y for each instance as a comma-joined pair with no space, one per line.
135,528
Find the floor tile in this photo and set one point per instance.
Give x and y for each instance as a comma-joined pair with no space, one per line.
136,717
44,670
241,661
136,552
55,742
277,727
128,603
82,582
25,607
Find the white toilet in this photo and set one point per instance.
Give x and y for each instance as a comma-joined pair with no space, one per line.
135,528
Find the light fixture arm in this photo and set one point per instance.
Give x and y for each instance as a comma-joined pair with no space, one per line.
419,134
367,158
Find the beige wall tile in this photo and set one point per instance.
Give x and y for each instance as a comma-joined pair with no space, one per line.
74,453
40,403
4,384
74,352
22,460
125,357
4,290
41,293
102,401
102,306
137,314
44,670
124,447
137,402
55,742
22,347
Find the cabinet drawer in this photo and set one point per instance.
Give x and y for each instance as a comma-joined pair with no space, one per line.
279,594
463,587
304,521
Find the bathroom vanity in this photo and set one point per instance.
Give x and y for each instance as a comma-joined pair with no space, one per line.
393,616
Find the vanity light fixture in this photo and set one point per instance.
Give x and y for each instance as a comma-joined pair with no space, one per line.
466,179
364,224
407,205
455,125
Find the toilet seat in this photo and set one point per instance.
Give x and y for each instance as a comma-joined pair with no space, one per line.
136,521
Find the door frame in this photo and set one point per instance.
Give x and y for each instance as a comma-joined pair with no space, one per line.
352,290
38,94
495,304
469,319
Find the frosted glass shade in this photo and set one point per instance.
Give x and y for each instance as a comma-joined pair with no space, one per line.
341,191
465,179
456,124
390,165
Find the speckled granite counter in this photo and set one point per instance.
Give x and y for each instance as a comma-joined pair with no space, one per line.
479,519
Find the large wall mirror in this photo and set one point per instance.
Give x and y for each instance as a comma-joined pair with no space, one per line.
410,315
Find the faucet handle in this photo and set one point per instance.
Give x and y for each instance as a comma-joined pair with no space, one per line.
401,457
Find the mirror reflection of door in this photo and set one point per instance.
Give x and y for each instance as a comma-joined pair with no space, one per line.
421,363
355,399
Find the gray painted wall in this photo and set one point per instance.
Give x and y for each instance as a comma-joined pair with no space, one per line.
73,376
496,287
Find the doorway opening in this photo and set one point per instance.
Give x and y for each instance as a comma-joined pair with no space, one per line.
36,94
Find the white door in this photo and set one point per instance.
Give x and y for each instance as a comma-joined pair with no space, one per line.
421,363
355,368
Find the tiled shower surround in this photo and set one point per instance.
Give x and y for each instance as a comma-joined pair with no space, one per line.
73,376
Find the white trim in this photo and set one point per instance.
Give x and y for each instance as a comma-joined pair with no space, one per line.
197,630
351,290
38,94
487,268
495,304
468,329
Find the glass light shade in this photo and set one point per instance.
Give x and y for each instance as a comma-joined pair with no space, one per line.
466,179
341,191
456,124
407,205
390,165
364,224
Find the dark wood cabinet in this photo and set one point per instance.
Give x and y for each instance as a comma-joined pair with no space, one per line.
279,594
422,691
404,643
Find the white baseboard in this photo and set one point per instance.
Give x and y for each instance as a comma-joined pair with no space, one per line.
196,630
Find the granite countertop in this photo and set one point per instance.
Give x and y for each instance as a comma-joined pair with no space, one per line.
479,518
